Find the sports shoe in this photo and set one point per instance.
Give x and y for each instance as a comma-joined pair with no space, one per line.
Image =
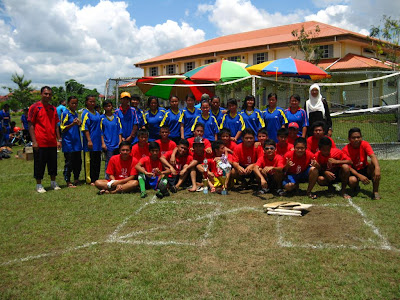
159,195
40,189
173,189
143,195
55,186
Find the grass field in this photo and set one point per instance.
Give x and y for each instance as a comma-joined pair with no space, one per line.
75,244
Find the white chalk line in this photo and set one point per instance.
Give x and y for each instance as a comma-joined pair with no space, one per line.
385,245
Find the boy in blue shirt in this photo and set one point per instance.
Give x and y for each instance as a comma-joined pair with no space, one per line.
111,129
128,118
71,141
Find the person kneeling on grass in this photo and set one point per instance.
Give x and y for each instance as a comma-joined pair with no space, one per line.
300,167
152,172
269,169
184,165
121,171
359,150
334,166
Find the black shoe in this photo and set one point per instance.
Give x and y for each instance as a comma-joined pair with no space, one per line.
173,189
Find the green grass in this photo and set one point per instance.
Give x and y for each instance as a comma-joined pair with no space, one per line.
234,255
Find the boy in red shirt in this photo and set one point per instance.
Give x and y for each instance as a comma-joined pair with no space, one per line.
152,172
220,167
283,146
269,169
300,167
262,136
318,129
199,156
334,166
183,166
121,171
141,149
293,129
199,131
359,151
246,157
225,136
165,143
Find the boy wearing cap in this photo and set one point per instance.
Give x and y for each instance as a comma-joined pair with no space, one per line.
128,117
293,133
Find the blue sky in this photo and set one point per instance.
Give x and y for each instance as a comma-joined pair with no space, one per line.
52,41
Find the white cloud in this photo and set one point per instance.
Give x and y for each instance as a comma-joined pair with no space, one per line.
232,16
51,41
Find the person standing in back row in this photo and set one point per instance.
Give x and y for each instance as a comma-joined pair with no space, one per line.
317,110
45,134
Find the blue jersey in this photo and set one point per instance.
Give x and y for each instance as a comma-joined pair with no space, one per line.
91,123
234,123
254,120
60,110
5,115
128,120
171,119
71,138
24,121
111,128
219,115
187,118
274,120
141,121
300,117
153,123
210,126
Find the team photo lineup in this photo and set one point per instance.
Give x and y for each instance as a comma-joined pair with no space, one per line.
198,145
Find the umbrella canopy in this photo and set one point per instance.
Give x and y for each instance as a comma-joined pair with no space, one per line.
223,70
146,86
290,67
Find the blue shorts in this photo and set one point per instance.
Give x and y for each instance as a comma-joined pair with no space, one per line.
152,182
297,178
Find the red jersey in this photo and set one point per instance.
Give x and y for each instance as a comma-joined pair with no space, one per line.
290,140
149,164
207,143
181,161
359,156
165,147
231,145
281,150
335,153
264,161
121,169
45,119
312,144
300,163
246,156
139,152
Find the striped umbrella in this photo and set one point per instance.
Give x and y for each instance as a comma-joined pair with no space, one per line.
223,70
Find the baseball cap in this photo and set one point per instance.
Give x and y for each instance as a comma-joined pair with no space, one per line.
198,140
293,124
125,94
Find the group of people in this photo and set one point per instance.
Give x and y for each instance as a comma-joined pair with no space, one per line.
206,147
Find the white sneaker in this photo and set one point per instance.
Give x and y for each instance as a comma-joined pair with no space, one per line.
40,189
55,186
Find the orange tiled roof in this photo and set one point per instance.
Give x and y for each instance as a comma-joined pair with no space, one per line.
352,61
261,37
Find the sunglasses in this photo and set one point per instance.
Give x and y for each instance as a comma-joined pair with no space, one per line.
269,148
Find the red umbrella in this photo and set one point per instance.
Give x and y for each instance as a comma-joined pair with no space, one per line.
164,87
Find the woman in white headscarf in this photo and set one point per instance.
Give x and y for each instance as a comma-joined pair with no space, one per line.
317,110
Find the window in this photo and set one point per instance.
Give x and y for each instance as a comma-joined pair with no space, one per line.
259,58
189,66
154,71
170,69
326,51
209,61
234,58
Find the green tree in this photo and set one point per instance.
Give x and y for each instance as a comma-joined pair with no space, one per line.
388,37
304,43
23,95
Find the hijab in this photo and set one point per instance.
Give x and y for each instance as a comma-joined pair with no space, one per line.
315,103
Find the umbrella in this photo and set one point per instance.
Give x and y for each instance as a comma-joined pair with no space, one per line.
146,85
223,70
290,67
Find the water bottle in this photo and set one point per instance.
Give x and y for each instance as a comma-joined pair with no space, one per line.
205,177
